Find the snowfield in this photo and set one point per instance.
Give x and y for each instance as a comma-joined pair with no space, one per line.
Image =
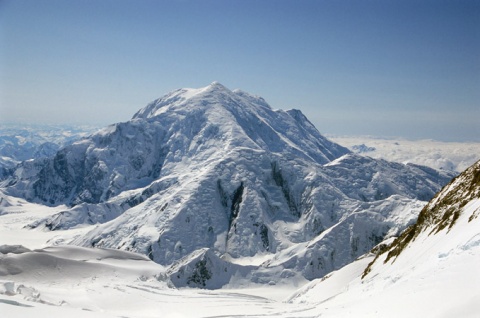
83,282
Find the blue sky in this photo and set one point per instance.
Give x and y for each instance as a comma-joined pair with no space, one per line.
385,68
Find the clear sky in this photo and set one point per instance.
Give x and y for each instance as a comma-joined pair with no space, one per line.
407,68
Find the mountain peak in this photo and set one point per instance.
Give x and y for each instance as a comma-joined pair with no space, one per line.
213,88
184,97
243,119
216,85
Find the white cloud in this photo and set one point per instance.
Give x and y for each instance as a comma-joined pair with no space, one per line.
455,156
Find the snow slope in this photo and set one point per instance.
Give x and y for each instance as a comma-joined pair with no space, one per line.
431,270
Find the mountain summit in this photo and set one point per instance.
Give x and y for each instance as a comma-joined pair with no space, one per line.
242,120
211,175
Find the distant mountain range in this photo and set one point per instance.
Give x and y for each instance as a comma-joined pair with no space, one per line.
201,178
19,142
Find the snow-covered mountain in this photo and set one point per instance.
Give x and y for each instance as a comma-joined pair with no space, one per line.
210,176
430,270
461,197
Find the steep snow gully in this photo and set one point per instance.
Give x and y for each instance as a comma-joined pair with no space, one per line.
202,179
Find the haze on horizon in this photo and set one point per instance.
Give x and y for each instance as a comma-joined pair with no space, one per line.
393,68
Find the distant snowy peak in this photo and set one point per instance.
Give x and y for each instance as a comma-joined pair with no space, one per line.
214,96
185,98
